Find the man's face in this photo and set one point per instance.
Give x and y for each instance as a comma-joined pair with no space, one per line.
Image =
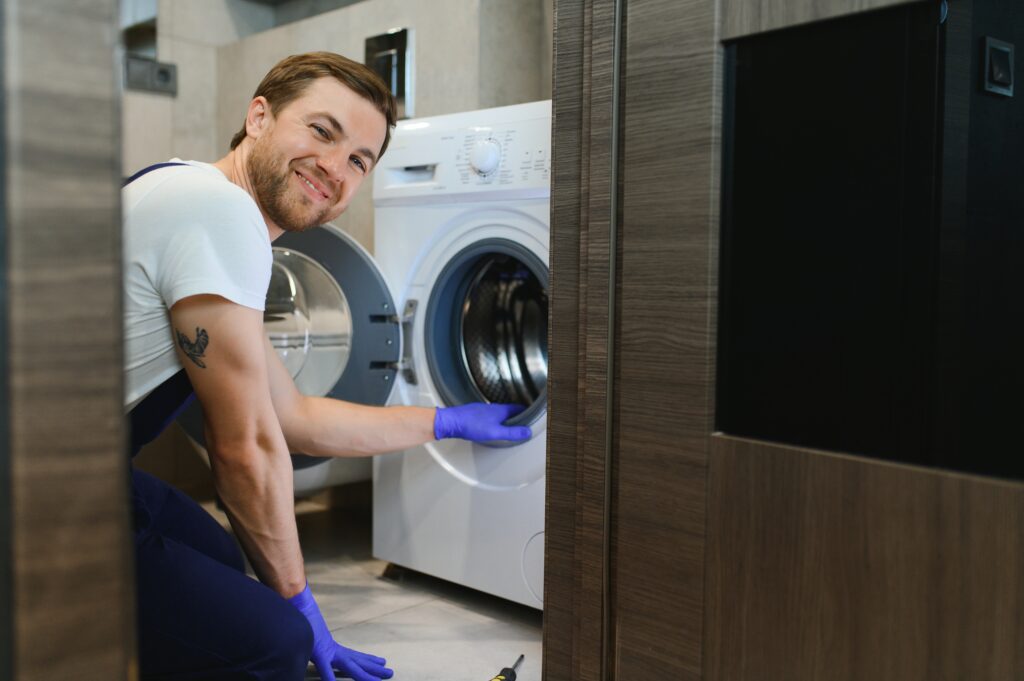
313,155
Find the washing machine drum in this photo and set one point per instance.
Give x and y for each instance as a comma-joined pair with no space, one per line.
487,328
308,321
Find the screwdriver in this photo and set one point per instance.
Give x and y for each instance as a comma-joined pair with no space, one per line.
509,673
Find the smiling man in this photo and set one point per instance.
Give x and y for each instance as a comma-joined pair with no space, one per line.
198,261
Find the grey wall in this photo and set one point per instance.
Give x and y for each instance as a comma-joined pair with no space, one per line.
297,10
157,127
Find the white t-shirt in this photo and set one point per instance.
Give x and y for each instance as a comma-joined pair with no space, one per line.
188,231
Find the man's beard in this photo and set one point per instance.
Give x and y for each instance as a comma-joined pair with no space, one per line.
270,185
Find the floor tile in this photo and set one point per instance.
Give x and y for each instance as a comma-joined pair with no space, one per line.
427,628
443,640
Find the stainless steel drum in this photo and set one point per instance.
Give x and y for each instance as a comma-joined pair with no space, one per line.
308,320
504,332
486,331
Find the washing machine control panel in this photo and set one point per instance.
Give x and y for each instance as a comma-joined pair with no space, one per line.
504,156
485,156
480,153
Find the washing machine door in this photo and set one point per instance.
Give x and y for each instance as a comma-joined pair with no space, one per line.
488,316
331,320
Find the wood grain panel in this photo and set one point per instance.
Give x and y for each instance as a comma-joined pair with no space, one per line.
560,563
6,540
746,17
825,566
71,560
575,616
596,612
664,385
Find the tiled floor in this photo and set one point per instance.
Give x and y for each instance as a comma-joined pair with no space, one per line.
428,629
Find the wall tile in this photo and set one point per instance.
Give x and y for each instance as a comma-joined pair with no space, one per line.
510,52
194,110
146,133
212,22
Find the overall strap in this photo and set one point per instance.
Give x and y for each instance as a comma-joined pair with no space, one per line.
153,414
151,168
159,409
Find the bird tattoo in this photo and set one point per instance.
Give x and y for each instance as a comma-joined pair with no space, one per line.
194,350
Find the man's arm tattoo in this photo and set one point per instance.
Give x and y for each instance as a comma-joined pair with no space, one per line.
194,350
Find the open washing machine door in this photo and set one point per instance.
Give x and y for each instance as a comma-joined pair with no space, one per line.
332,320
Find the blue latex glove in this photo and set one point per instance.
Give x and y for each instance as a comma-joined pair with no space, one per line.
328,655
479,422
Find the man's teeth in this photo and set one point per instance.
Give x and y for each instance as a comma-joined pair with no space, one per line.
312,186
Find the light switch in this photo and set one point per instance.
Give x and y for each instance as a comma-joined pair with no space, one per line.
998,77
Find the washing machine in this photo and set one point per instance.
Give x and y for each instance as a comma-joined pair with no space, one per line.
462,209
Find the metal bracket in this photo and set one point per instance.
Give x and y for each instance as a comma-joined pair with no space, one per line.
407,365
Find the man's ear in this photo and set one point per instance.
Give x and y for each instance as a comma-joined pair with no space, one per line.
258,118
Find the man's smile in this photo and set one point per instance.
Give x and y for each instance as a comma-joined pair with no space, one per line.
315,190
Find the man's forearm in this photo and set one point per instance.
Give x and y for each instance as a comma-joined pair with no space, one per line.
257,490
328,427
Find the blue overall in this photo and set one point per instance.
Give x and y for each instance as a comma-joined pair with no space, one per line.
199,615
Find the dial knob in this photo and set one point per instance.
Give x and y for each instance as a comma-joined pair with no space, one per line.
485,157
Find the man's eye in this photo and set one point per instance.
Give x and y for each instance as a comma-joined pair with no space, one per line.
321,131
359,163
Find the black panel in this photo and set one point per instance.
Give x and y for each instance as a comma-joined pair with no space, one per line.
828,234
376,334
981,334
6,539
871,239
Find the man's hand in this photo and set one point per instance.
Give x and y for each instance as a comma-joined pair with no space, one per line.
480,422
329,655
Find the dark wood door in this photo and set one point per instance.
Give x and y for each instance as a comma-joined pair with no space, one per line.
673,551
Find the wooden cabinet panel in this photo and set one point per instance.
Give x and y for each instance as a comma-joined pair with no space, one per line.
664,367
744,17
576,543
73,614
827,566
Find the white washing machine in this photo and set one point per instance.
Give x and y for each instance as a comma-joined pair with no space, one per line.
462,209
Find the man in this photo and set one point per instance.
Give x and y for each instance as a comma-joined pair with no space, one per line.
198,260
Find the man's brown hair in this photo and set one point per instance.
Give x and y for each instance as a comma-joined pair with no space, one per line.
292,75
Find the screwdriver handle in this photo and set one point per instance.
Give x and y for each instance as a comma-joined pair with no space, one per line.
509,673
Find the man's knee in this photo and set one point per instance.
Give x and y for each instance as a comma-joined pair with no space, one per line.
293,644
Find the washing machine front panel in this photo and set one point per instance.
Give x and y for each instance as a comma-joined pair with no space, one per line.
500,154
486,328
462,205
467,247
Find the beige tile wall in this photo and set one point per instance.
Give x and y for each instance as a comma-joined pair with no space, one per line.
157,127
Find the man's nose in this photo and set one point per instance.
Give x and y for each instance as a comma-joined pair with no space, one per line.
333,167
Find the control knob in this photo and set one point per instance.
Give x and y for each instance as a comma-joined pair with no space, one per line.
485,156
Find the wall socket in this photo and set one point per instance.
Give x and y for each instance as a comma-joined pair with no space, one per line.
150,75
